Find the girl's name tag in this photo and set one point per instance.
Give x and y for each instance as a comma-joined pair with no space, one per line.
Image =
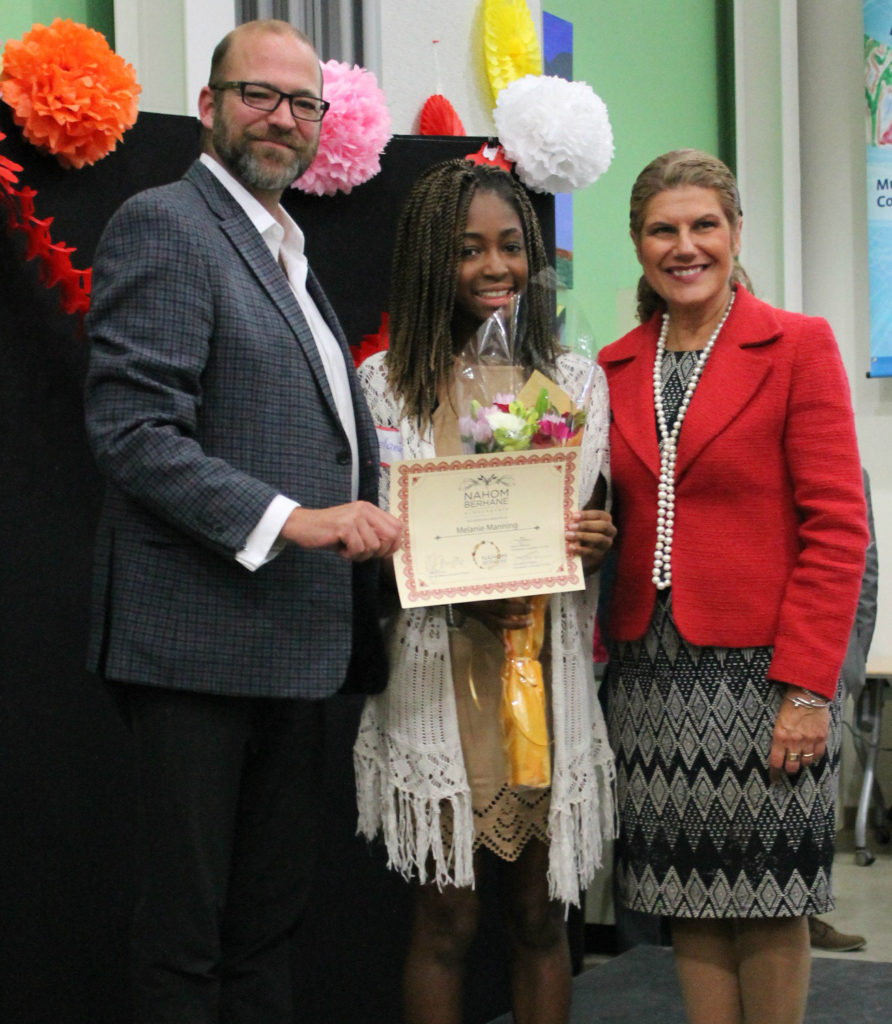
390,445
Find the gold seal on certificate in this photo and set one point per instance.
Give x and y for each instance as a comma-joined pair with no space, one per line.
485,526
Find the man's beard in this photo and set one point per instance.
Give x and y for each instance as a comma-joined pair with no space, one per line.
251,170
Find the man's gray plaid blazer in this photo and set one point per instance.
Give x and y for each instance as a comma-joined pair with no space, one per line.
205,398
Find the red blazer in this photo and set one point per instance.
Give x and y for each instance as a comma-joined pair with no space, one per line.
770,522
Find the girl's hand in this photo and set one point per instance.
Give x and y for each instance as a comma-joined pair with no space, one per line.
800,736
503,613
590,536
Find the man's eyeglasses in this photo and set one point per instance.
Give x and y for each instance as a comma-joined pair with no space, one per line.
265,97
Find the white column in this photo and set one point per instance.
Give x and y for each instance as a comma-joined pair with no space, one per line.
768,168
169,43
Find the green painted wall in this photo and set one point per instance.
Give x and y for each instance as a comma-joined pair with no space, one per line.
654,64
17,16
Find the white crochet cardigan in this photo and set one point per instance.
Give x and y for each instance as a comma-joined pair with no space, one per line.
408,756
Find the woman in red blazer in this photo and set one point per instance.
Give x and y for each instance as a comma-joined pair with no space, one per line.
742,529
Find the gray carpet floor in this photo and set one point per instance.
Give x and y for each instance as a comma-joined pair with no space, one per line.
640,986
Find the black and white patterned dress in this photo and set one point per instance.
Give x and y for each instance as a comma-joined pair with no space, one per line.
702,832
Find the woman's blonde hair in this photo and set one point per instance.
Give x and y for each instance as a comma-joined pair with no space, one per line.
677,169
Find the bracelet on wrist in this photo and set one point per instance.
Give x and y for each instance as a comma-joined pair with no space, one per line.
807,699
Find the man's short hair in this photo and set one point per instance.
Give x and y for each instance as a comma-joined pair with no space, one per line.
272,25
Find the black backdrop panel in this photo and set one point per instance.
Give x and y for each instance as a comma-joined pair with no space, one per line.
66,776
349,237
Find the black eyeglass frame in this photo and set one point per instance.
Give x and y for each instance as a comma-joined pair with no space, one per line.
290,96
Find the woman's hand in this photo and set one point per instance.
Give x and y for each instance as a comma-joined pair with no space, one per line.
590,536
503,613
800,735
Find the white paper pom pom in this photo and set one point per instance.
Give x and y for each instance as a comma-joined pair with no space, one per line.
557,132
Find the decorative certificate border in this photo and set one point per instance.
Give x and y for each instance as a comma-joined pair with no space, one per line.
478,547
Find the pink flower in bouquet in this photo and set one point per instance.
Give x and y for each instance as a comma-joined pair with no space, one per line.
477,430
554,430
502,402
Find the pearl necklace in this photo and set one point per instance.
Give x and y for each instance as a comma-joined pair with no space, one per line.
662,573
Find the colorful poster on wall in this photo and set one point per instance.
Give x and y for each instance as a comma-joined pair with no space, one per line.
557,54
878,96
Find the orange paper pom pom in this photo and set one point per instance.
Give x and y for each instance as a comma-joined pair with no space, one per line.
70,93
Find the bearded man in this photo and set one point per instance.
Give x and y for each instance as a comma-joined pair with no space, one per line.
235,574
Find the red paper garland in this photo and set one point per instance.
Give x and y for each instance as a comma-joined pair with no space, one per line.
55,257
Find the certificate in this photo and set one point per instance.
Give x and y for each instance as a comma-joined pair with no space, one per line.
485,526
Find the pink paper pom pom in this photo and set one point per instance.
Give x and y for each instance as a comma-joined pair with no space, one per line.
355,131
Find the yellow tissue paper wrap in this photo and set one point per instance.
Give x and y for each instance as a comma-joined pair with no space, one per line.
523,711
502,417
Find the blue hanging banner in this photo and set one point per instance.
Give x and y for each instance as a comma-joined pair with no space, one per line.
878,97
557,54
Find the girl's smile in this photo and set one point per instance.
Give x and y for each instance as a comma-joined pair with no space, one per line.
492,266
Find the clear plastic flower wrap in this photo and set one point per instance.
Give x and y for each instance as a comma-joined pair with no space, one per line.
503,407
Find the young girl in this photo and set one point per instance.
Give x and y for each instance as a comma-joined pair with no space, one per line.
429,758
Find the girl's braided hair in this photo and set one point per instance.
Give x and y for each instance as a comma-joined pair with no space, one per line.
425,269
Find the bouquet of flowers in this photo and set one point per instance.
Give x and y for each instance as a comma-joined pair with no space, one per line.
508,425
504,416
